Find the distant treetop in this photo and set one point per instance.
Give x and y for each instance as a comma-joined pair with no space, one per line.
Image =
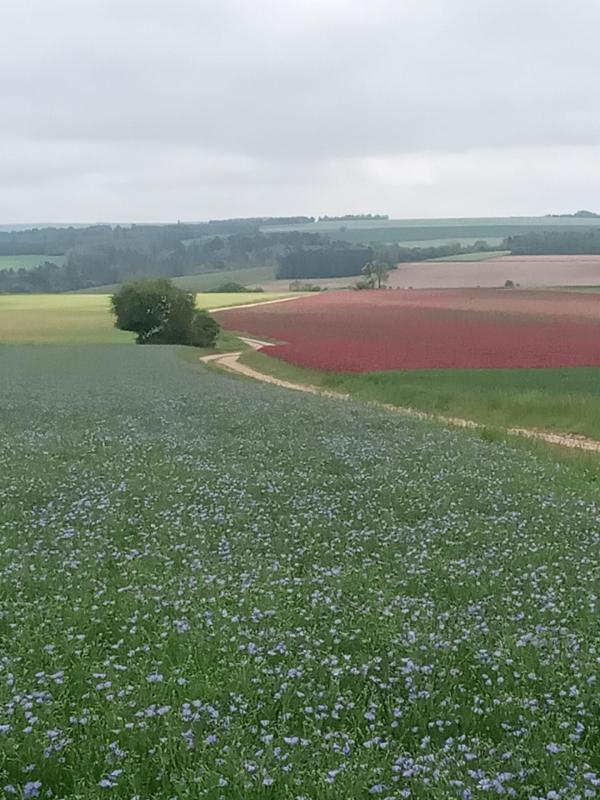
577,215
354,217
263,221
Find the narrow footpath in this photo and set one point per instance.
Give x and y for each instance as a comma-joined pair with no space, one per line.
231,363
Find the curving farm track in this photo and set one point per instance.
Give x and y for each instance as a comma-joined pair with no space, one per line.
231,362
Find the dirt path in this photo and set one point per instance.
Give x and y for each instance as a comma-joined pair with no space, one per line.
258,303
231,362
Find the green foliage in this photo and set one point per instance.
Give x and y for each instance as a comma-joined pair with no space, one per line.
204,330
231,287
577,215
160,313
576,241
330,261
376,273
300,286
102,255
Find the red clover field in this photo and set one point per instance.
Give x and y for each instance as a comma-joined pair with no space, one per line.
211,588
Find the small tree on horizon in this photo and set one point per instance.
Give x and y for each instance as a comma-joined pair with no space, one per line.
160,313
376,272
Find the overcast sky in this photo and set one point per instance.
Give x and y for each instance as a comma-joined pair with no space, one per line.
157,110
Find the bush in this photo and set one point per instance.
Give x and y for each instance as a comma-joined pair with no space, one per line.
204,330
298,286
160,313
232,287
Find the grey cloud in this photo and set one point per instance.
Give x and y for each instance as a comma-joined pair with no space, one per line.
179,108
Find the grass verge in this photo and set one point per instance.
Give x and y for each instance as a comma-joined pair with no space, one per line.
557,400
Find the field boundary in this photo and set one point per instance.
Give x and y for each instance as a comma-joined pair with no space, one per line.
231,363
256,302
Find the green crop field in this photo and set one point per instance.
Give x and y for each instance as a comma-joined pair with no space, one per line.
585,289
486,255
438,231
28,262
464,241
204,281
84,318
562,400
217,589
474,223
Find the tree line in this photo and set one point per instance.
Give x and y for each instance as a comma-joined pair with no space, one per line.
341,259
334,260
579,241
102,255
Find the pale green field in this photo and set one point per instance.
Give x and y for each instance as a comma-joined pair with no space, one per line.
485,255
84,318
203,281
253,276
28,262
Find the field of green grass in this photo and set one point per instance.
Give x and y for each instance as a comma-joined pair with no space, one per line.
485,255
560,400
83,318
585,289
464,241
204,281
217,589
440,222
429,231
421,237
28,262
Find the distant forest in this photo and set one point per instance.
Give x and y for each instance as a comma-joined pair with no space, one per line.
579,241
336,260
103,254
577,215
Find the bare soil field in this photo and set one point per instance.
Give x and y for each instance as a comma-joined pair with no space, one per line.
527,271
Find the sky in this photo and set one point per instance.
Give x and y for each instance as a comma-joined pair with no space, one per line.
158,110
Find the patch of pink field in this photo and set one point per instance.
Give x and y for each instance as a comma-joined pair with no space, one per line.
461,329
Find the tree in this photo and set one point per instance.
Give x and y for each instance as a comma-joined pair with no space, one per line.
160,313
376,272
